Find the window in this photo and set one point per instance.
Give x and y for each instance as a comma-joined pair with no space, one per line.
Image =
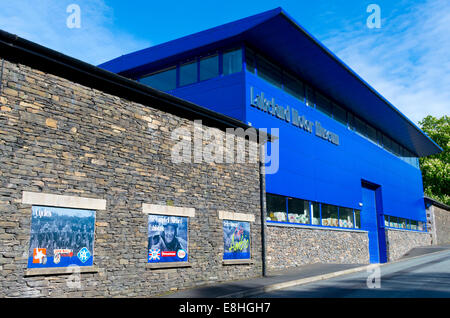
209,67
315,213
165,80
357,219
250,60
402,223
61,237
329,215
323,104
394,221
371,133
298,211
294,87
269,72
167,238
414,225
386,220
421,226
346,217
188,73
236,240
339,114
360,126
276,208
309,96
232,62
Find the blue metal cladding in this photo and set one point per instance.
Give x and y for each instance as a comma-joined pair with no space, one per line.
224,94
315,169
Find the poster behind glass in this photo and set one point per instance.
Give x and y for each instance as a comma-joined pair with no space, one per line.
61,237
167,238
236,240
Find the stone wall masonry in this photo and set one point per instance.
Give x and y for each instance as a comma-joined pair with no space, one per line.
59,137
442,225
399,242
290,246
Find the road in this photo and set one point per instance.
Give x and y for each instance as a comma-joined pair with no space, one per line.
426,276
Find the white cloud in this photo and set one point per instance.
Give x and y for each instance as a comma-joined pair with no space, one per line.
407,61
44,22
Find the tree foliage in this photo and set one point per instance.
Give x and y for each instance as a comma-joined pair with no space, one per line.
436,168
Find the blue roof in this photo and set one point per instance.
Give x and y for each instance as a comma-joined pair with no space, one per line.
281,38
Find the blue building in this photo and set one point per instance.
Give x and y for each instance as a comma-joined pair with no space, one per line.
348,157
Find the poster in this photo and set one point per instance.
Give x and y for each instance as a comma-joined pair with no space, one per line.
61,237
167,239
236,240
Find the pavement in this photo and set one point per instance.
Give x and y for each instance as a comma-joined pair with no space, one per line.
288,278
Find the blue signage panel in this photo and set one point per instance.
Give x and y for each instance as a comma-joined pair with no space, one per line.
167,239
61,237
236,240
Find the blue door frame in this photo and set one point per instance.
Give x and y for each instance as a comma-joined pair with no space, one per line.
372,220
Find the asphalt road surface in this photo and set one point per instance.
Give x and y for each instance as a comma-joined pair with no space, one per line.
427,276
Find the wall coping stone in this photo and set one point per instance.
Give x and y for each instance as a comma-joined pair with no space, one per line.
237,262
60,270
167,210
234,216
168,265
65,201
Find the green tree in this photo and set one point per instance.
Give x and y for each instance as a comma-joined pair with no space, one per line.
436,168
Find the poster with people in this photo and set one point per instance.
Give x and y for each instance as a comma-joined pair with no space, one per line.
236,240
167,239
61,237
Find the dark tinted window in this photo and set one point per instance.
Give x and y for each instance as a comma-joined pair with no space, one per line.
276,207
250,60
298,211
268,71
209,67
323,104
164,80
294,86
329,215
339,114
188,73
232,62
310,100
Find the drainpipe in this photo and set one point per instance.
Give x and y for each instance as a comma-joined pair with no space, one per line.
262,190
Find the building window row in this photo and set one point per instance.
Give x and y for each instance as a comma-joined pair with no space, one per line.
297,211
196,70
275,75
403,223
231,61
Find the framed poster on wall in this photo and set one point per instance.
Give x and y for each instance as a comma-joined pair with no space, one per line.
167,238
61,237
236,240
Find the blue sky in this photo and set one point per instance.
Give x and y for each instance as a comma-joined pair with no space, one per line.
407,60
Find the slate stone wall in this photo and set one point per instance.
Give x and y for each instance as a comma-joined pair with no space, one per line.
60,137
442,225
289,246
399,242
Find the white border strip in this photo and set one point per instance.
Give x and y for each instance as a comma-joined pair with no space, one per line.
167,210
234,216
64,201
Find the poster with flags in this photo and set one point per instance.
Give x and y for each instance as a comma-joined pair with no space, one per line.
61,237
167,239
